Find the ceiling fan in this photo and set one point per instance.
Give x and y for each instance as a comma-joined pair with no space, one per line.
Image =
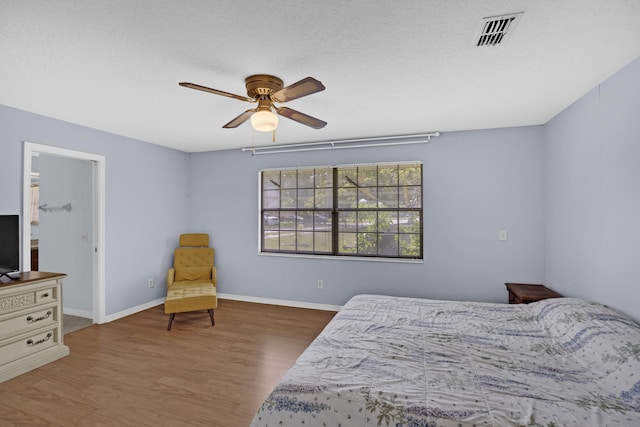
267,90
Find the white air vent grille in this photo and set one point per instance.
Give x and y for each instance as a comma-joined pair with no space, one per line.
496,30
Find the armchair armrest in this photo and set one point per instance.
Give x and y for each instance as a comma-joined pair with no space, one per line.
214,276
171,276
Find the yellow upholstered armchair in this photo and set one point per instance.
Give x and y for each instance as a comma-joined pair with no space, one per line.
191,282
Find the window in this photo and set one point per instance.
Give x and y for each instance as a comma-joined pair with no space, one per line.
354,210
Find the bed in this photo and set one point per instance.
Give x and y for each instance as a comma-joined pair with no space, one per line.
391,361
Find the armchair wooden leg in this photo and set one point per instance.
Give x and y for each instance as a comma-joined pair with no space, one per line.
211,315
171,316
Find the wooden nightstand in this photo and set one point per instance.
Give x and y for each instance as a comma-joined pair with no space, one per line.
523,293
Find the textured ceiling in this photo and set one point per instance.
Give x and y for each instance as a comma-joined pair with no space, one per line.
390,67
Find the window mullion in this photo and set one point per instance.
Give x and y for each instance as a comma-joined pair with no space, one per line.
334,214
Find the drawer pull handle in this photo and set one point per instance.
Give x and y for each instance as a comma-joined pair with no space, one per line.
45,295
37,319
32,342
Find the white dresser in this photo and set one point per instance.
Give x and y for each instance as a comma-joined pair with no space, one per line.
30,323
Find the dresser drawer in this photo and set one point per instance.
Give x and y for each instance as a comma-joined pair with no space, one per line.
23,321
45,295
30,323
11,303
18,347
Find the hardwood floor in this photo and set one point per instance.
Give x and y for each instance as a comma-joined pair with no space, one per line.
133,372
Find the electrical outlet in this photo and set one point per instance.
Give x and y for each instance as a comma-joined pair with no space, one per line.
502,235
320,284
150,283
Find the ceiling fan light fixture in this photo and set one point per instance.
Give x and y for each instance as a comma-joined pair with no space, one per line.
264,121
265,90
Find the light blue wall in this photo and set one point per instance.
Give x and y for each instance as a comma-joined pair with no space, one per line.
567,192
146,199
592,194
475,184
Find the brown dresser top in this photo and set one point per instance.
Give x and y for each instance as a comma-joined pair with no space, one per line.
29,276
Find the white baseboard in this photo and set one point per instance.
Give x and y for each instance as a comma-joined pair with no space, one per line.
151,304
283,302
133,310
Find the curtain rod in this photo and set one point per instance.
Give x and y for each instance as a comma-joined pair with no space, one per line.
422,138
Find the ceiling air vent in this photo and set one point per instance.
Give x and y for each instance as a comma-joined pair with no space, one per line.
496,30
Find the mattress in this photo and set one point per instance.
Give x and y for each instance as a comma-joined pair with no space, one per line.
392,361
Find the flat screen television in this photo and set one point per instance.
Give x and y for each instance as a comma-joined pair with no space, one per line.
9,244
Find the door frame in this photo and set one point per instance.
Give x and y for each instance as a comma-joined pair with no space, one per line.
98,170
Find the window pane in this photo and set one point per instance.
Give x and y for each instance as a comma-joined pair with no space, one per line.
324,198
367,198
367,221
288,241
271,180
305,241
388,244
288,220
305,178
388,176
388,221
271,240
367,244
410,174
271,199
411,197
270,220
305,198
288,199
347,198
347,177
324,178
409,244
367,176
305,220
388,197
347,221
347,243
409,222
322,221
322,242
289,179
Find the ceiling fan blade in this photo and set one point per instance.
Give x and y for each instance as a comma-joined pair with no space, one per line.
216,91
297,90
240,119
301,117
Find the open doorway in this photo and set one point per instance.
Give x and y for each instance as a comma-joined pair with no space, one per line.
63,224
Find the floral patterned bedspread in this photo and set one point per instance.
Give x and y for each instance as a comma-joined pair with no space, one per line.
389,361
